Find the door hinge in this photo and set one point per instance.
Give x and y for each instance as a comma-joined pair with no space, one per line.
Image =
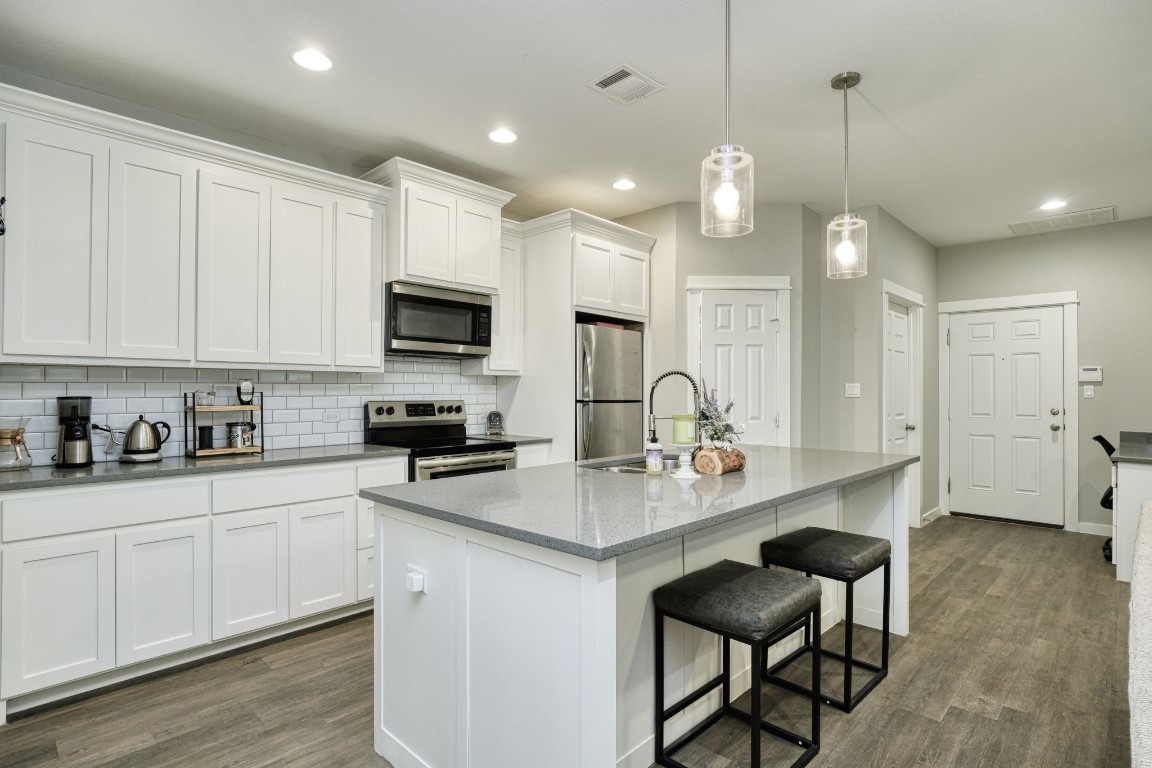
948,337
949,485
776,322
777,421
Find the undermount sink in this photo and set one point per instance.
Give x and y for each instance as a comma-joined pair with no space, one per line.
637,468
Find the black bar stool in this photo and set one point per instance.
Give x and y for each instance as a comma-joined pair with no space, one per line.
846,557
755,606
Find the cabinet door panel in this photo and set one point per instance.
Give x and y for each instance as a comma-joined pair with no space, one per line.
151,254
58,613
365,574
323,560
163,583
56,248
249,571
430,232
592,277
359,285
301,272
478,244
232,267
507,330
630,282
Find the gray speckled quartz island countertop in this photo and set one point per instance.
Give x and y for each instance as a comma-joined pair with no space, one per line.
1135,447
114,471
581,510
492,583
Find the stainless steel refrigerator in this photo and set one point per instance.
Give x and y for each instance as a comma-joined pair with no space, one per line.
609,392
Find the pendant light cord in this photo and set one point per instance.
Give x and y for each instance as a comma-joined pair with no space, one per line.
845,151
727,68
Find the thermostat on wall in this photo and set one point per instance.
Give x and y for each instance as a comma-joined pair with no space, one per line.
1091,373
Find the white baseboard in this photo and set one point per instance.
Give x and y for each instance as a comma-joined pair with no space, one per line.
1096,529
931,515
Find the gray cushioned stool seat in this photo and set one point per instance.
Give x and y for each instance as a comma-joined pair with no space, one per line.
738,598
846,556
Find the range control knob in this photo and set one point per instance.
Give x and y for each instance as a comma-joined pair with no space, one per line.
459,409
390,410
440,409
380,410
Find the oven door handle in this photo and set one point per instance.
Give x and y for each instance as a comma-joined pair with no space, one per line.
456,461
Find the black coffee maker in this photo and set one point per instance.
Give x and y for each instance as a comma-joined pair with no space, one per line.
74,447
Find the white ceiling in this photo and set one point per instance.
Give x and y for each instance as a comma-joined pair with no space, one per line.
970,114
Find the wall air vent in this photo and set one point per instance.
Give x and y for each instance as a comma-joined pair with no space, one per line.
625,85
1071,220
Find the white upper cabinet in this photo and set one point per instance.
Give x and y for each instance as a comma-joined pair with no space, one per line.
56,249
442,229
359,284
232,262
139,245
609,277
507,312
301,276
151,254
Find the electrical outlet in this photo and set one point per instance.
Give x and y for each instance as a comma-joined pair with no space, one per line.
851,390
331,416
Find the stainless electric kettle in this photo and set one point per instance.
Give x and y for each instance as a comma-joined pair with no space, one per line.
144,437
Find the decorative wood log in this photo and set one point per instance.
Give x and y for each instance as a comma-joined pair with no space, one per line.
714,461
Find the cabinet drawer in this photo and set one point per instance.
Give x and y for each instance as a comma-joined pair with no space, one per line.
387,472
75,510
290,486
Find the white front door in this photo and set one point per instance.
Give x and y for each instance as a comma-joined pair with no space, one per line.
897,393
1006,411
738,358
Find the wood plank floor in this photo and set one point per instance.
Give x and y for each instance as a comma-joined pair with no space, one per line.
1017,657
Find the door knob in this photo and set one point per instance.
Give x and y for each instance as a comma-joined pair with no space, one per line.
910,427
1055,427
1055,411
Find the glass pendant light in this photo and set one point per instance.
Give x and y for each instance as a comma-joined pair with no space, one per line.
726,188
847,233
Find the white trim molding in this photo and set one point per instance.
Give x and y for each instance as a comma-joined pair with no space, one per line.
1009,302
905,296
1070,302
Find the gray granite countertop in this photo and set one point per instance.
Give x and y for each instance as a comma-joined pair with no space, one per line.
1135,447
584,511
114,471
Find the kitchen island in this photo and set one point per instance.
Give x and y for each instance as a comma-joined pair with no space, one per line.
513,610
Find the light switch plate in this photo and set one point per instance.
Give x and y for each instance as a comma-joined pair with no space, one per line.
851,390
1089,390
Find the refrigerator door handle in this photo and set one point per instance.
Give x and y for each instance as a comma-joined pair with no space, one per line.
585,370
584,430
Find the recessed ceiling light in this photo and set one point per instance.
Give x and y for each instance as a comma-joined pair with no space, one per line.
1052,205
502,136
624,184
310,58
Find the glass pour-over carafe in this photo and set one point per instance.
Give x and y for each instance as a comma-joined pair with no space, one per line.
13,452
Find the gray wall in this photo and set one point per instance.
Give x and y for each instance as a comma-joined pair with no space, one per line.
852,344
1110,266
773,248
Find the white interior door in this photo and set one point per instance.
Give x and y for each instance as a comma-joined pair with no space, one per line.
1006,414
898,389
739,339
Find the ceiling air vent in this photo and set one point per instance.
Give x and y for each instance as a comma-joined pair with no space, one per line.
625,85
1065,221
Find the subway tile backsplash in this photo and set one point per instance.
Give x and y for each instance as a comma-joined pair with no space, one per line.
294,401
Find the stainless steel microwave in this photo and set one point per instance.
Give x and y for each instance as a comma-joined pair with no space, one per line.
441,322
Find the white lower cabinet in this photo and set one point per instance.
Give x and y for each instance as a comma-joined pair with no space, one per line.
322,564
58,613
534,455
163,590
365,574
249,571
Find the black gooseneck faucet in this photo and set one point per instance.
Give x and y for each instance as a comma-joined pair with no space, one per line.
652,395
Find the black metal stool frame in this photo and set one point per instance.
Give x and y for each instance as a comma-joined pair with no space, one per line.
723,681
850,700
